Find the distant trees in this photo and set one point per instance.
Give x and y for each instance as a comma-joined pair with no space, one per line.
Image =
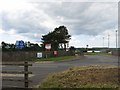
3,44
72,48
27,47
86,48
59,38
33,47
7,45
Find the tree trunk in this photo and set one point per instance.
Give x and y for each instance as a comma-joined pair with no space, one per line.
65,46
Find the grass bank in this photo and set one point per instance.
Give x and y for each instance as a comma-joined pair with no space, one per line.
83,77
96,53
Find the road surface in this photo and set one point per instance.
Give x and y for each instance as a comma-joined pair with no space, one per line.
41,70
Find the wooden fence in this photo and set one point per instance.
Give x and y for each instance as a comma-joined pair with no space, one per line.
25,72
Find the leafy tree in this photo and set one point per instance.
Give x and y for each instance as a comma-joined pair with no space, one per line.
3,44
7,46
12,46
72,48
87,48
57,37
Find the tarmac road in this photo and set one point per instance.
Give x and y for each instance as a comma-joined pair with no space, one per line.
41,70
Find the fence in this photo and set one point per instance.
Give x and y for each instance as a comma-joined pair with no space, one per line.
116,52
25,72
18,55
29,55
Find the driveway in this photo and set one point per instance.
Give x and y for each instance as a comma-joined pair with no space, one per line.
41,70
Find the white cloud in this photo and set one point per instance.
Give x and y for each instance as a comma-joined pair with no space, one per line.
87,22
2,31
95,41
15,5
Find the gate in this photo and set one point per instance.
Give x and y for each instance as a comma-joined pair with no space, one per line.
25,72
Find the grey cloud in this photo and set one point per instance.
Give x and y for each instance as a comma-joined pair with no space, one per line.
65,9
81,19
22,22
78,17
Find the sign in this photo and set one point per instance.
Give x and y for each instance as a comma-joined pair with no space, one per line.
48,46
19,44
39,55
55,52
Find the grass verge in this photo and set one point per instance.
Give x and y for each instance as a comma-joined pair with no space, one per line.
97,53
83,77
56,58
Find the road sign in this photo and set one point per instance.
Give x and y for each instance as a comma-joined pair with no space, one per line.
55,52
19,44
39,55
48,46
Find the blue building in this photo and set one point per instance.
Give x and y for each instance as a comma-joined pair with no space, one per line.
19,44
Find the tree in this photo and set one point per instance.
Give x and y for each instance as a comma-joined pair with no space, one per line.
87,47
12,46
7,46
72,48
3,44
57,38
34,46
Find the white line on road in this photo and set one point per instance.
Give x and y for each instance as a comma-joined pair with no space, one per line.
21,66
3,66
15,75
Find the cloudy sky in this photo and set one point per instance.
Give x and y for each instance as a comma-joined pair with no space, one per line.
87,22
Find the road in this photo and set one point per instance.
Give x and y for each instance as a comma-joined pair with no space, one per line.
41,70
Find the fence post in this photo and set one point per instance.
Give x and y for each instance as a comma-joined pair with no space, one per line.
26,74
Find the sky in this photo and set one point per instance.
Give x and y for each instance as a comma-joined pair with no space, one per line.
87,22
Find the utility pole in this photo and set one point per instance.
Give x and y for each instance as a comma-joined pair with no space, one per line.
103,42
116,39
108,40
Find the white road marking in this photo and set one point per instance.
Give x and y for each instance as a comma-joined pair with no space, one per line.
2,66
21,66
45,62
15,75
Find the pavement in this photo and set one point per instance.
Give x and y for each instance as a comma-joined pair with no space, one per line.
41,70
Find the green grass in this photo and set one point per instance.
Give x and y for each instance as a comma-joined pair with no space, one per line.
96,53
83,77
56,58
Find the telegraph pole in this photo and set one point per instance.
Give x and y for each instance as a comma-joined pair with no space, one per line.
103,42
116,39
108,40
